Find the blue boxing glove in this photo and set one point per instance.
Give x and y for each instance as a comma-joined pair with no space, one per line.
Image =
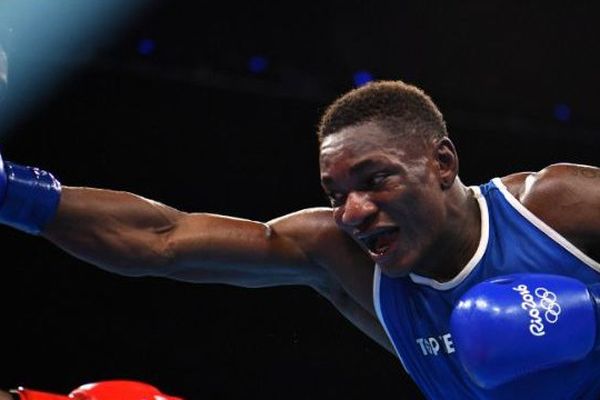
29,197
510,326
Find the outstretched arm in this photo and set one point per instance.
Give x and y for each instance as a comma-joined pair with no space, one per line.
130,235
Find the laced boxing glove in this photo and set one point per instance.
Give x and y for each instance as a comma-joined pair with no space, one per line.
29,197
106,390
510,326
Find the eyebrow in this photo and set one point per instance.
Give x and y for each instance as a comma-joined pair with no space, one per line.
363,165
356,169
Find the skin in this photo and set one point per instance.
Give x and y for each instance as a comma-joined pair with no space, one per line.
375,179
411,185
414,186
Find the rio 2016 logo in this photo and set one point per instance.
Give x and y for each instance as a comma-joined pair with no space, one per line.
548,303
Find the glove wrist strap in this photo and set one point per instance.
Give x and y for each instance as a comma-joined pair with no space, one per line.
31,198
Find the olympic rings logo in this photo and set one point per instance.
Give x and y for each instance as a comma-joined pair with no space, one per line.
548,302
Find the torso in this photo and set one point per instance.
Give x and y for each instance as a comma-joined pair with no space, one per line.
351,270
416,310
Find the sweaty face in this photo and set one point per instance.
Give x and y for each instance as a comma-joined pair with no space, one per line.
385,193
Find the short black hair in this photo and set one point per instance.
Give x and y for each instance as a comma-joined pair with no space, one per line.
404,107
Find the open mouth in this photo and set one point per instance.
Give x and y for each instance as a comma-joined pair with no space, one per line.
379,242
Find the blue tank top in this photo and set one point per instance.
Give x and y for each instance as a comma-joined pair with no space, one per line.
415,310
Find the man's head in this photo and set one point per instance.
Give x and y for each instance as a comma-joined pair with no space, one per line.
388,165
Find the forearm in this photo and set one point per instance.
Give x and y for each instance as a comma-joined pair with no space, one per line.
130,235
117,231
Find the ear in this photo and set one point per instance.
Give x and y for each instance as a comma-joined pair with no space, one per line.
447,159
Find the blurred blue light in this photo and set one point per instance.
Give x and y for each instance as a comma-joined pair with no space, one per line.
362,78
146,47
562,112
257,64
61,35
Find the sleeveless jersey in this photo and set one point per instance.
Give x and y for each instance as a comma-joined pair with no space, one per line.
415,310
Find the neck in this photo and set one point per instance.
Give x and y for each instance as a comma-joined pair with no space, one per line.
457,244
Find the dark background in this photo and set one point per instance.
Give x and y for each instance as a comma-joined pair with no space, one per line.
185,121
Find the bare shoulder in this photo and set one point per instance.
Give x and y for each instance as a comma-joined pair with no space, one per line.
565,196
303,225
314,230
549,188
348,271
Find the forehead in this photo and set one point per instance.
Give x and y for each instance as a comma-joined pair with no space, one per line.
369,140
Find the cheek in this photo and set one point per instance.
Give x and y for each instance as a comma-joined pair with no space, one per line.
418,212
431,216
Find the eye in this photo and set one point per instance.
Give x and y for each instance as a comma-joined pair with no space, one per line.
378,179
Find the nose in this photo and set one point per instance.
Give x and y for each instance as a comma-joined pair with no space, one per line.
358,209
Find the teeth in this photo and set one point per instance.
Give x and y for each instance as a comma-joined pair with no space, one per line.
381,250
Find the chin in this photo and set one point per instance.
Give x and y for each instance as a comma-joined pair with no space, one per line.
395,271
